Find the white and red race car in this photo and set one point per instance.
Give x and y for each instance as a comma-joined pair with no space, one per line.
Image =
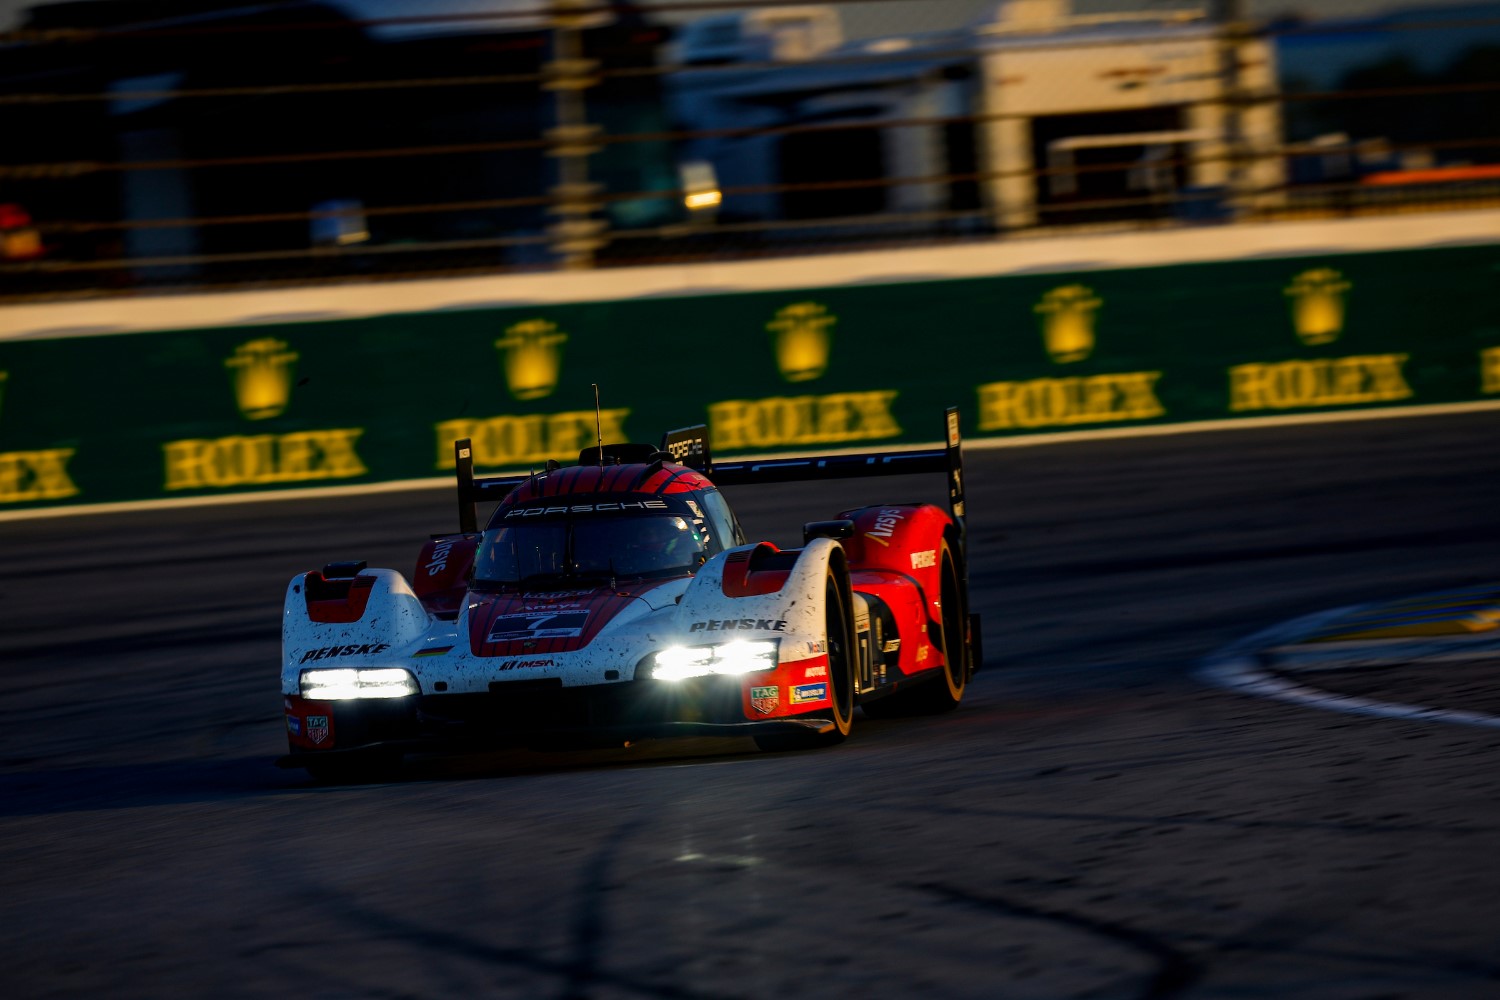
618,600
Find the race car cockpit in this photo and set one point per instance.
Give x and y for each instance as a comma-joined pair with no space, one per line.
565,549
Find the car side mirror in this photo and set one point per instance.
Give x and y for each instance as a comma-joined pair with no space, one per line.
842,528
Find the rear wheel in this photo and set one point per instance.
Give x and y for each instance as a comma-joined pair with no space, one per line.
943,692
839,641
946,695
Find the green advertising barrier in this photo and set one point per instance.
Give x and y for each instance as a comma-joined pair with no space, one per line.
183,413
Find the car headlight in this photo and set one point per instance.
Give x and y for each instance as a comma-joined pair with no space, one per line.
743,656
342,684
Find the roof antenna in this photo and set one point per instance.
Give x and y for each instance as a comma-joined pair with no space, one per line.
598,424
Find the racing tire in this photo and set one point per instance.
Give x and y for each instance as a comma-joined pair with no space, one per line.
839,640
943,692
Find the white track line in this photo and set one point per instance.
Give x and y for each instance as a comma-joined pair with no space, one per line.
1237,668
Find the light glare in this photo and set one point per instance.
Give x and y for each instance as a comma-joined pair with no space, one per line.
742,656
344,684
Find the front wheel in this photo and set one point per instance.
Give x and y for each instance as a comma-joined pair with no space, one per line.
839,641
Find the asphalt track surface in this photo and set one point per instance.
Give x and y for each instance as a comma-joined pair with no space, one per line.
1094,821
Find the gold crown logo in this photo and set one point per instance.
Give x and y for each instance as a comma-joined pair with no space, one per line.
1068,316
532,359
1318,305
262,377
801,340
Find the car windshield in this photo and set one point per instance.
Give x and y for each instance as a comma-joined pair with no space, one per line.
569,550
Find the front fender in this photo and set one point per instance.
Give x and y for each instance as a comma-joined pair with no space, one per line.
783,599
391,618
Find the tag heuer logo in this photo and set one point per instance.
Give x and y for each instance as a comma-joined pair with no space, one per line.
765,699
317,728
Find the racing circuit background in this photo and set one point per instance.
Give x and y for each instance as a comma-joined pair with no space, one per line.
1094,820
172,144
1102,817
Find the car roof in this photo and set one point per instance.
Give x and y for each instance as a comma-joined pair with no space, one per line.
639,479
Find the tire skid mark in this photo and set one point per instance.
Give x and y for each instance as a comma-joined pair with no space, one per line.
1175,971
1277,934
588,931
389,929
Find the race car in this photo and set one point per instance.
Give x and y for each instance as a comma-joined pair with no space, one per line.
619,600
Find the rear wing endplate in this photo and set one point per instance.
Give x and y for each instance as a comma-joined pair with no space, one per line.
471,490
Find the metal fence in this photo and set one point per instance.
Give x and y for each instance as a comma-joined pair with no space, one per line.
293,143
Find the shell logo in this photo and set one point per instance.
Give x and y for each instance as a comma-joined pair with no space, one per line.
262,377
1318,305
1068,314
532,358
801,340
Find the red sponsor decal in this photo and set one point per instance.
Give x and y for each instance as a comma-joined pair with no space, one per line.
309,724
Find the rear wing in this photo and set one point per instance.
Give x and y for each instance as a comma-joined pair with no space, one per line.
689,446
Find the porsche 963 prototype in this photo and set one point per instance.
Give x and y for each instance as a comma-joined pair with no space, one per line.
619,600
